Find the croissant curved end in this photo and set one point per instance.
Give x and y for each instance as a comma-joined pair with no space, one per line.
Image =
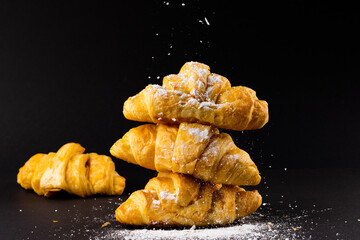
115,149
256,179
135,107
247,202
130,212
119,184
256,201
261,115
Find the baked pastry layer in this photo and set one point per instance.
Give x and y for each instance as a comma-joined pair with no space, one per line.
172,199
196,95
70,170
190,148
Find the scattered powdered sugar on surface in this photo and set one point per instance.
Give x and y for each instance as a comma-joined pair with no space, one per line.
247,231
256,226
276,220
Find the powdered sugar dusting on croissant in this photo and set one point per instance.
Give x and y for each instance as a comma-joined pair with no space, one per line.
196,95
199,134
191,148
178,200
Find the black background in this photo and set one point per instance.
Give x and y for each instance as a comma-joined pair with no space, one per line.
66,70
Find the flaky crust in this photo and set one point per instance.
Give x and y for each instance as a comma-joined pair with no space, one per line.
179,200
191,148
71,170
195,95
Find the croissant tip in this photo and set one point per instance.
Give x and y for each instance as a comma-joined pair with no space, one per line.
259,200
112,150
130,211
115,149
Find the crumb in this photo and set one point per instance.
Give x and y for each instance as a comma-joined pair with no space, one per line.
55,221
295,229
270,224
105,224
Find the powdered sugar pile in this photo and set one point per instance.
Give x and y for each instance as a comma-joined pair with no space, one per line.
245,231
267,223
256,226
277,220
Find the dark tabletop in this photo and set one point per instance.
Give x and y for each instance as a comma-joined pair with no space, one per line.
297,204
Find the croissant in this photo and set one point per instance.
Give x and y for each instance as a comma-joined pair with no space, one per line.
195,95
192,148
72,171
172,199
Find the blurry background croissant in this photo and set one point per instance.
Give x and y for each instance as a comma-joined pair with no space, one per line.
70,170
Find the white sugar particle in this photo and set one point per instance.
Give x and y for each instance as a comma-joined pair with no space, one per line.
207,22
167,195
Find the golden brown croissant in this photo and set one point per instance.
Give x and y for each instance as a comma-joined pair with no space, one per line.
192,148
71,170
173,199
195,95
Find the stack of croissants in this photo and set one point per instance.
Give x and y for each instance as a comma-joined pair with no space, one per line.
199,168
